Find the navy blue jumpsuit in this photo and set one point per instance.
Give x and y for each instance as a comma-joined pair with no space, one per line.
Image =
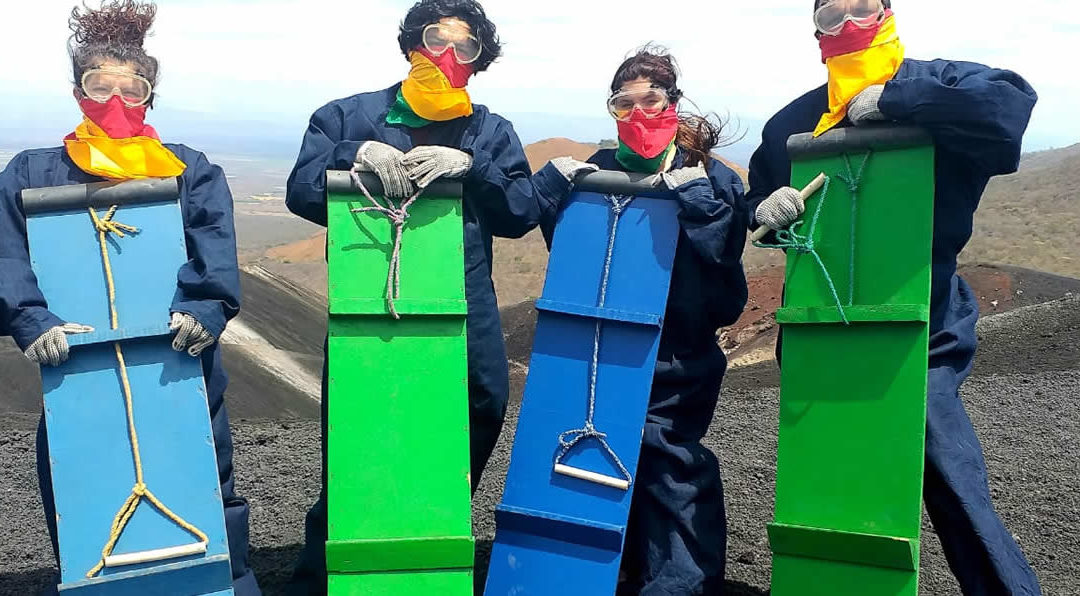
498,201
208,288
677,534
977,117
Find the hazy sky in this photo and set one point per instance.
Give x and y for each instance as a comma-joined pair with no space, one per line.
275,61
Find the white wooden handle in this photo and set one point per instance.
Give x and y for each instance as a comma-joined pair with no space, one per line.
619,483
161,554
814,186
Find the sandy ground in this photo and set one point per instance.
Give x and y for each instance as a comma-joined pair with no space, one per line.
1022,400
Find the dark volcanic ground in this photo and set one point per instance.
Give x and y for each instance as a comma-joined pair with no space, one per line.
1022,399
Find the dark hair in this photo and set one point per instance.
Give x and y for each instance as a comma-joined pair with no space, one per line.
698,134
426,12
115,31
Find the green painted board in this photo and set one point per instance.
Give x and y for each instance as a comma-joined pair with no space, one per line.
853,396
398,450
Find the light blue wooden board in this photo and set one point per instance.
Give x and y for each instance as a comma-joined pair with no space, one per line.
92,467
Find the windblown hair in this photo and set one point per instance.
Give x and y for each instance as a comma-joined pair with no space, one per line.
698,134
426,12
115,31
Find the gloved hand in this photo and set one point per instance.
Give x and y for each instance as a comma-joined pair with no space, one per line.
52,347
385,162
428,163
864,108
570,168
781,209
191,336
676,178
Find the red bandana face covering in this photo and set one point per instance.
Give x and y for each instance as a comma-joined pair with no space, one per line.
114,142
458,74
116,119
649,137
852,39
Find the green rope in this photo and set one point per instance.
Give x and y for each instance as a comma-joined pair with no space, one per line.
791,239
853,182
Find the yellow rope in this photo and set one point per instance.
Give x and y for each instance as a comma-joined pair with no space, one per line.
104,226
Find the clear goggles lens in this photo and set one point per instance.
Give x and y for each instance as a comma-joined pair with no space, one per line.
651,102
439,38
100,84
833,15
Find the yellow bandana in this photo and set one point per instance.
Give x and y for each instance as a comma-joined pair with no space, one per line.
850,74
429,93
120,159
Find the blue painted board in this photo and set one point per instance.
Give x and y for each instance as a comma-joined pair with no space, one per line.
180,579
644,250
556,533
66,258
90,452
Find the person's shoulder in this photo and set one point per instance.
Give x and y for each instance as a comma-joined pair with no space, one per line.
912,68
605,159
799,116
39,153
719,169
185,153
724,175
359,102
192,158
483,115
28,160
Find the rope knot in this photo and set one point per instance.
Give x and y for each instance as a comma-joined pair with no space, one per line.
397,216
106,225
139,489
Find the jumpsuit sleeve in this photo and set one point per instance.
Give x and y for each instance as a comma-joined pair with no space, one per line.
712,215
322,149
500,181
769,171
971,110
553,188
208,285
24,313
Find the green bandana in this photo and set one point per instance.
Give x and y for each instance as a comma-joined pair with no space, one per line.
401,113
636,163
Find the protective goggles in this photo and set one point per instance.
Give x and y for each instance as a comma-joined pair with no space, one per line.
438,38
652,102
100,84
831,17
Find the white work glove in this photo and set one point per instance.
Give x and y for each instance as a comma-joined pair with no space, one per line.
676,178
385,162
191,336
570,168
781,209
864,108
52,347
428,163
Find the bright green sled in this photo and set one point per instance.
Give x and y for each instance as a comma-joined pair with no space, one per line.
853,381
398,487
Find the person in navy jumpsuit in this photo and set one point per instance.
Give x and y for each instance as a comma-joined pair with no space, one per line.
498,200
977,117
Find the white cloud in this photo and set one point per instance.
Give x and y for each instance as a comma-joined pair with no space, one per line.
280,59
